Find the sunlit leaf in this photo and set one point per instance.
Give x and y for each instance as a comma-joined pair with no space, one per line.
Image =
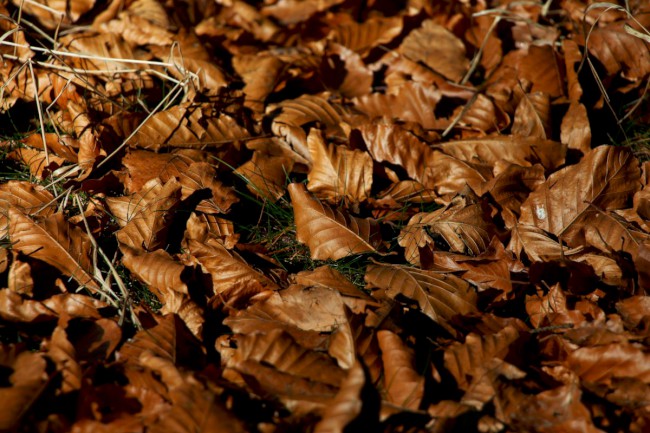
275,364
330,233
29,198
438,48
464,225
145,216
439,296
337,172
232,278
404,386
56,243
605,179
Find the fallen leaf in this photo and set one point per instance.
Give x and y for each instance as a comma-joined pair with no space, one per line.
56,243
330,233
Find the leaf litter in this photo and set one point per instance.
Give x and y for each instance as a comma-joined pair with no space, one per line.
324,216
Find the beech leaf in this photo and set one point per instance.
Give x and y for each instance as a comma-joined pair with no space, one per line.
328,232
55,242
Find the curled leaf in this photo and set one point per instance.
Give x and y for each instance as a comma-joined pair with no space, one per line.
329,233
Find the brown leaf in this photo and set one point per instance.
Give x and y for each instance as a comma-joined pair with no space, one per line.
64,355
467,361
233,279
465,225
266,175
157,269
168,339
39,164
29,198
439,296
619,51
348,404
634,310
604,364
438,48
511,187
308,308
515,150
337,172
533,116
329,233
537,244
610,232
389,142
201,227
362,36
559,409
56,243
412,102
295,113
572,60
273,363
54,144
605,179
539,65
550,309
261,73
295,11
200,176
342,69
404,386
326,276
145,217
575,129
190,127
26,382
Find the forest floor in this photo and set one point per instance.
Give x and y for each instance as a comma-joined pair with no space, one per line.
343,215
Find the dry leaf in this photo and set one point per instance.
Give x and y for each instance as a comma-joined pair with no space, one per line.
605,179
56,243
330,233
438,48
338,173
404,386
439,296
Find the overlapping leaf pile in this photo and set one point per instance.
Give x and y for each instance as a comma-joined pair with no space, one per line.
456,149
